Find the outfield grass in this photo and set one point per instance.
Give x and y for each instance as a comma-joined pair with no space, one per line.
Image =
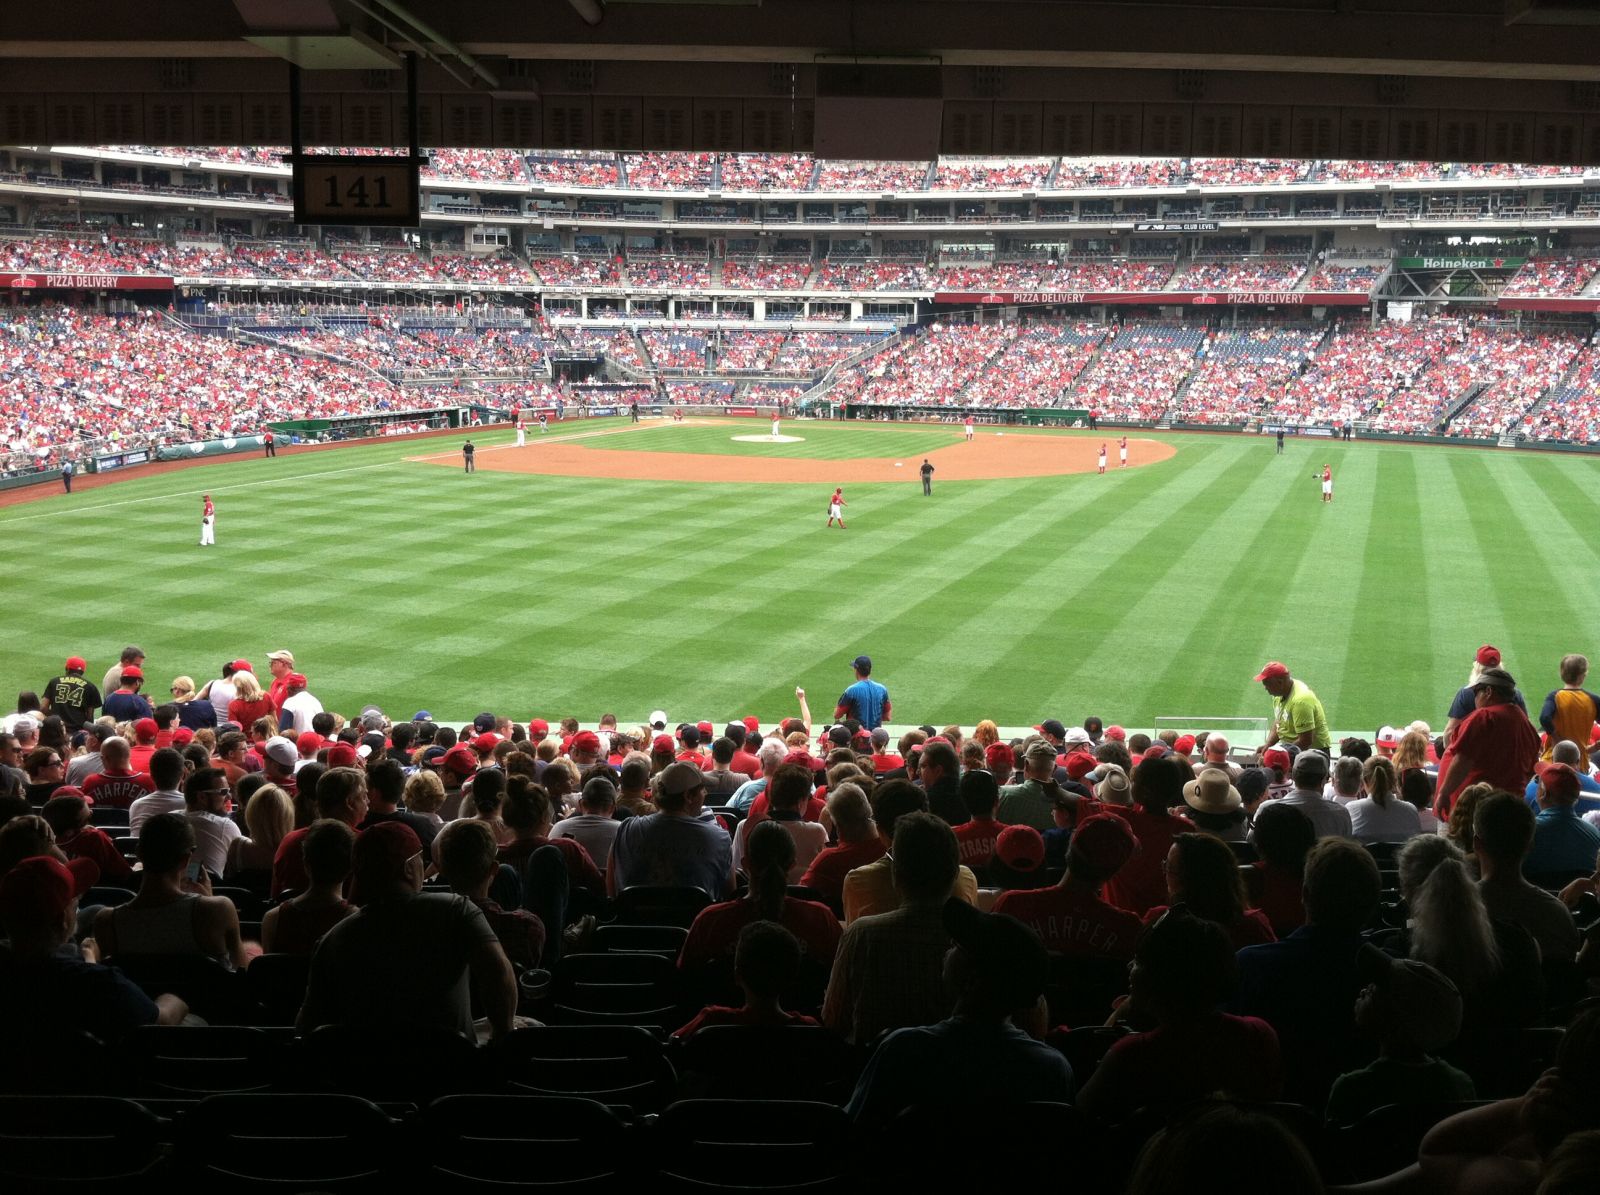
1154,592
815,440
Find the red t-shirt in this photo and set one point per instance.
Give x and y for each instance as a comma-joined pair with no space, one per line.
1277,894
1074,921
1252,928
246,712
93,843
886,763
715,931
1177,1064
1502,747
827,871
1140,885
717,1014
139,756
276,693
117,789
694,757
976,838
745,764
289,872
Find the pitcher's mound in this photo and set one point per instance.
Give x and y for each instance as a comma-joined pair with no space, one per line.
768,439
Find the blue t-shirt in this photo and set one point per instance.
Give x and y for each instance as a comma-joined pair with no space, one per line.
127,707
1466,700
865,699
61,993
1562,842
673,852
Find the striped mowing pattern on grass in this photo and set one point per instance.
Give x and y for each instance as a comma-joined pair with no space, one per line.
1139,594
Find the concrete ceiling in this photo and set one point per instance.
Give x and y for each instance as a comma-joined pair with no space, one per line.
1450,79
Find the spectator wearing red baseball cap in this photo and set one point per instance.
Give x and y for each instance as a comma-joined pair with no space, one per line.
1463,703
70,696
1297,716
127,704
298,707
1073,918
131,654
57,993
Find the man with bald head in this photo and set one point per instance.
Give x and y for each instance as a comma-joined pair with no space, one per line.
1569,753
1216,756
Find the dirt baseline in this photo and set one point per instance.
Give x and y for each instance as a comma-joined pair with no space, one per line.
990,456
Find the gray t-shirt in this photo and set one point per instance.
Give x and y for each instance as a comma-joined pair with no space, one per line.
401,962
592,832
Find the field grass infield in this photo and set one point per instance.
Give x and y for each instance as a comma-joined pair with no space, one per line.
1152,592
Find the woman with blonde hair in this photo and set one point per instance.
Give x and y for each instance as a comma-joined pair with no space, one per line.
424,795
1412,751
196,715
268,816
985,733
1494,964
249,702
1383,815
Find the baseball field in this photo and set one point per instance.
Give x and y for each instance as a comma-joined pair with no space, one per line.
610,567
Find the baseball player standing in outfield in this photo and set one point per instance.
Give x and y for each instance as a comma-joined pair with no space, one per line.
1327,483
208,522
927,476
1102,458
468,451
969,429
1122,451
836,505
522,431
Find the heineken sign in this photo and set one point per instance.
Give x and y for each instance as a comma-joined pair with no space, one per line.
1461,263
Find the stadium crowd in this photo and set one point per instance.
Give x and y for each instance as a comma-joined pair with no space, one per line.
1360,958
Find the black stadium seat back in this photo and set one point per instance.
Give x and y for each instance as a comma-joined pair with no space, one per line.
277,982
793,1062
79,1143
388,1065
643,904
128,846
110,897
631,989
291,1142
246,903
778,1147
526,1143
616,1065
1244,852
76,1063
194,1061
903,1156
108,818
1504,1064
665,940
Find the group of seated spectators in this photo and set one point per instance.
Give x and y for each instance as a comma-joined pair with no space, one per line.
85,254
1311,937
574,169
1566,275
767,172
739,274
477,165
840,175
1357,277
68,376
1037,367
1572,411
1251,273
748,351
1524,365
670,171
931,369
1242,372
869,276
1516,365
1138,371
1233,172
674,350
1361,366
967,174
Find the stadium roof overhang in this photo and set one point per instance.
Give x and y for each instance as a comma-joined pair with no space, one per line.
1440,79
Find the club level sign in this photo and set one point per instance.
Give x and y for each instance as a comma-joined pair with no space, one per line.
380,191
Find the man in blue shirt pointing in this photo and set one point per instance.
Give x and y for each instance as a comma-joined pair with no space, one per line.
866,701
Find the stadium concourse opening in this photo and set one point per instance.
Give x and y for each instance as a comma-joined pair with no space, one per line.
993,453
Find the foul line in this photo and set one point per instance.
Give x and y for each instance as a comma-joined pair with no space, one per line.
294,477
